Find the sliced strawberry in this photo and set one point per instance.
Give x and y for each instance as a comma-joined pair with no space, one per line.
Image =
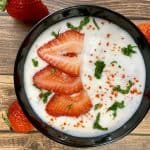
53,79
64,51
65,105
17,119
145,28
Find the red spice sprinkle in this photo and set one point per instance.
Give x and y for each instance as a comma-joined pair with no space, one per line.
52,119
93,28
113,65
102,23
102,95
123,76
137,80
135,91
89,88
108,35
97,95
99,43
100,87
65,123
90,61
90,77
111,97
107,44
112,75
115,93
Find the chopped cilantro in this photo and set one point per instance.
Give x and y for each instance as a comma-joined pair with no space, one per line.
96,124
123,91
5,119
115,106
96,106
100,65
35,62
69,107
44,96
95,23
83,23
128,51
55,34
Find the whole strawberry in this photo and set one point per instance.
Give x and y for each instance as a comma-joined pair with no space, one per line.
25,10
17,119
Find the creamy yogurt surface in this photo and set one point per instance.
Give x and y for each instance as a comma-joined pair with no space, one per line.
103,44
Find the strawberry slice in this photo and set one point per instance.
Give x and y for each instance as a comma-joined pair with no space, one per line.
64,51
65,105
53,79
17,119
145,28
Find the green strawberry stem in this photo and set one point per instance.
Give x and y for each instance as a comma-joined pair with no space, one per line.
3,5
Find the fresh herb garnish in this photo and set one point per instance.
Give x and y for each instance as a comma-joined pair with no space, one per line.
96,106
44,96
83,23
95,23
35,62
115,106
96,124
128,51
123,91
53,71
55,34
100,65
69,106
5,119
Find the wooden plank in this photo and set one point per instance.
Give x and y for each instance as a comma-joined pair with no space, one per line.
36,141
132,9
13,34
8,96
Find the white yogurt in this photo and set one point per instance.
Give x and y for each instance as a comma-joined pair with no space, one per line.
104,44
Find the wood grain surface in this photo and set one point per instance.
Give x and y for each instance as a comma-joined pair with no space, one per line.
12,34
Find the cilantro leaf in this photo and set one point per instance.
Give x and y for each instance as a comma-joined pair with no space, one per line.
115,106
128,51
123,91
96,124
44,96
96,106
100,65
83,23
95,23
35,62
5,119
55,34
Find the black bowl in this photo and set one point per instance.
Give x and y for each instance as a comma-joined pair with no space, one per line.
83,10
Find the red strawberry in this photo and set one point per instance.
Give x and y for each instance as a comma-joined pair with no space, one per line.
17,119
27,10
64,51
145,28
65,105
53,79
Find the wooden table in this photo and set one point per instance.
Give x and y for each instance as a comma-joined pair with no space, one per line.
13,32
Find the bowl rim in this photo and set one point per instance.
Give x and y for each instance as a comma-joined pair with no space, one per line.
32,115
